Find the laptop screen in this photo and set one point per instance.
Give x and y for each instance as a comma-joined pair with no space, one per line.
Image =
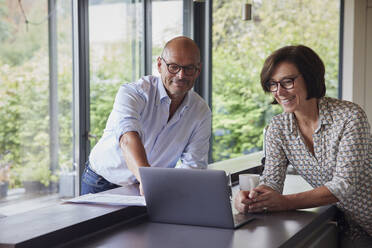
187,196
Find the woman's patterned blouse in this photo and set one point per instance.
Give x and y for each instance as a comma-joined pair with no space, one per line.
342,159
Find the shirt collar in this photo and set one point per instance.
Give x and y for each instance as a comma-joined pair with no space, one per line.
184,105
324,112
186,101
325,116
292,121
164,95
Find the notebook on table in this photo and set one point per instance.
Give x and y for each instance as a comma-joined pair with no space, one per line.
189,196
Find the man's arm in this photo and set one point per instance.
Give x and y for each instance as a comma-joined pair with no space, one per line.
134,152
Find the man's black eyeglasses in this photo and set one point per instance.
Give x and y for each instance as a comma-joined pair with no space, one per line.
286,83
173,68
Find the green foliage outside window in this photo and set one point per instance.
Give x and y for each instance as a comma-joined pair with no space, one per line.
107,74
24,95
240,108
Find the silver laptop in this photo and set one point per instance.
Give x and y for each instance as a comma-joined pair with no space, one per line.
189,196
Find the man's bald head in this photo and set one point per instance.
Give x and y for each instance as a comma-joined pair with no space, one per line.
179,66
183,45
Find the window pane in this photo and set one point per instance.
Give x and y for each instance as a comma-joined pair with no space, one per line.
115,33
35,104
240,108
167,23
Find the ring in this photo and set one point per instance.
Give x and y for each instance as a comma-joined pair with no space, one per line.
264,209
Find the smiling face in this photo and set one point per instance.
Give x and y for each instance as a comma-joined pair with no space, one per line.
294,99
183,52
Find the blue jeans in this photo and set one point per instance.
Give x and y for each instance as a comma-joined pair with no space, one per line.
91,182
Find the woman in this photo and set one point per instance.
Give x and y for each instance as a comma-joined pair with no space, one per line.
326,140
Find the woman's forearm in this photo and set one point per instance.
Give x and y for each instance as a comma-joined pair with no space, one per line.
313,198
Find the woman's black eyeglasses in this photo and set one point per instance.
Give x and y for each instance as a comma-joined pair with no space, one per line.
286,83
173,68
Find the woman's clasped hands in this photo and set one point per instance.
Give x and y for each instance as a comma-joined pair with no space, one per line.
260,199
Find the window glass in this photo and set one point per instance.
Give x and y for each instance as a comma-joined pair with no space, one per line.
240,108
167,23
115,34
35,104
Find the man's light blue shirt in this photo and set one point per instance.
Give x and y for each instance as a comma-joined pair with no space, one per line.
143,107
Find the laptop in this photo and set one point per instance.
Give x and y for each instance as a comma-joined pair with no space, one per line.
189,196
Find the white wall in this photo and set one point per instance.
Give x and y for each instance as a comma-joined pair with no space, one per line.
357,54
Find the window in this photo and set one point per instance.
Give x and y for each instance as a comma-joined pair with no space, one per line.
35,103
166,24
36,75
36,86
240,108
115,36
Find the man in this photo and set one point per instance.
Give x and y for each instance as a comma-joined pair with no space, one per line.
154,122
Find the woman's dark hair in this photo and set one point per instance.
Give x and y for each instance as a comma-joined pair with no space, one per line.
308,64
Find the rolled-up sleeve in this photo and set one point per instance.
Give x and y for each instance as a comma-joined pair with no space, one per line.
275,161
195,154
126,114
352,153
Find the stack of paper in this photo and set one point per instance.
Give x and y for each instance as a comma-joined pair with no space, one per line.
110,199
